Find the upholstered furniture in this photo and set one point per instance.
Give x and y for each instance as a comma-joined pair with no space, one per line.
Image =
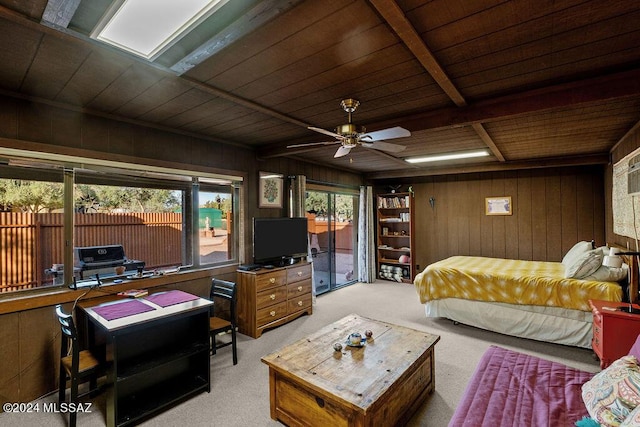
223,291
509,388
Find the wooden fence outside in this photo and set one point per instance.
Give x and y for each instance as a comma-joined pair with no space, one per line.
31,243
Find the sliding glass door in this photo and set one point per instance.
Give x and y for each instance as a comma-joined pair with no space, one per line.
333,233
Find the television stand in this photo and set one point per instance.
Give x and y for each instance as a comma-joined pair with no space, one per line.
273,297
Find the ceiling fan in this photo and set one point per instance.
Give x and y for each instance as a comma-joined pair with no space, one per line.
350,135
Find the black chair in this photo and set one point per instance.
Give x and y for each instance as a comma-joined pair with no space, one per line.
75,364
221,291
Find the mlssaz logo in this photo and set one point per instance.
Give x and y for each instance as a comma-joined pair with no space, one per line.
67,407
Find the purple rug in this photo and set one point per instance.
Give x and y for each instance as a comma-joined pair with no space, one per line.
165,299
122,309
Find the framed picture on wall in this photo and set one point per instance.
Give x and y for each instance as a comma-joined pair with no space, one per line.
270,190
498,205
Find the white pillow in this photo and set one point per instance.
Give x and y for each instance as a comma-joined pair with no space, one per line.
575,252
584,265
608,274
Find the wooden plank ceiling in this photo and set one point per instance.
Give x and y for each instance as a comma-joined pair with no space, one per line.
548,82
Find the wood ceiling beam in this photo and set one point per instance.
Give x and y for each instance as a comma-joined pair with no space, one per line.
620,85
60,12
397,20
395,17
254,18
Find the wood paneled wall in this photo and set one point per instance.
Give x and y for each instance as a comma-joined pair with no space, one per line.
552,210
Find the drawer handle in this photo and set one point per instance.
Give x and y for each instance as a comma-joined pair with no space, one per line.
299,288
272,296
300,303
272,280
272,313
320,402
299,273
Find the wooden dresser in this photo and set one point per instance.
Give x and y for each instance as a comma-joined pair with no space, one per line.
272,297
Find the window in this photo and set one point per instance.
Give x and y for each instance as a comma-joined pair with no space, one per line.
216,225
162,220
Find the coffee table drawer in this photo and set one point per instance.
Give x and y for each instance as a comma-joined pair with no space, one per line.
271,313
301,407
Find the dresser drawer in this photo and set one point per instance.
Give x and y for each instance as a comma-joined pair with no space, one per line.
296,289
295,274
270,297
298,303
271,313
270,280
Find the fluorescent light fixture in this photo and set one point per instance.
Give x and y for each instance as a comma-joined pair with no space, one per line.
147,27
452,156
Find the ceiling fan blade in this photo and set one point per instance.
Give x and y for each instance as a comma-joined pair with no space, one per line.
384,146
326,132
306,144
390,133
342,151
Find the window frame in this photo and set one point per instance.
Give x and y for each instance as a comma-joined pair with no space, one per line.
74,167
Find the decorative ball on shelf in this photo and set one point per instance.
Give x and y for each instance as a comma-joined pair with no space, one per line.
405,259
337,346
368,333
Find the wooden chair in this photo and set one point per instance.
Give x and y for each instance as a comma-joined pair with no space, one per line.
222,290
75,364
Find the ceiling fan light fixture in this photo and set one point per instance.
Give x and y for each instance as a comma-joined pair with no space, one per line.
349,105
350,129
451,156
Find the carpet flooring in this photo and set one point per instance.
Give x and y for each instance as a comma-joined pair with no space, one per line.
240,394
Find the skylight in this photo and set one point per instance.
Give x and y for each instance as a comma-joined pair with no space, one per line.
147,27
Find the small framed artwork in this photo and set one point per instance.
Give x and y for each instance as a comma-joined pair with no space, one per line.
498,205
270,190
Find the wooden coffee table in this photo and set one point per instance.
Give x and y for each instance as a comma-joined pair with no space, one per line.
380,383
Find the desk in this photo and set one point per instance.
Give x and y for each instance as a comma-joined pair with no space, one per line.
155,358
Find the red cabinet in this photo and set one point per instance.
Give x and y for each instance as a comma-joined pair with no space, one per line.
614,330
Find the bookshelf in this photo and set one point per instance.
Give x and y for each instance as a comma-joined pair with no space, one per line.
395,237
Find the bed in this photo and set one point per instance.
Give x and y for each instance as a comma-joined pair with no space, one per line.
528,299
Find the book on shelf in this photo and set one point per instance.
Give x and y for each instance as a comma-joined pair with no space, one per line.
134,293
393,202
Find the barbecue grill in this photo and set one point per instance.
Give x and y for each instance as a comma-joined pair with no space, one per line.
102,260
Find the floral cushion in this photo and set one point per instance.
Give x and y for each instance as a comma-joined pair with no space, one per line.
611,395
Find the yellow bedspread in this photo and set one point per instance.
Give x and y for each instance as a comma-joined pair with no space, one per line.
510,281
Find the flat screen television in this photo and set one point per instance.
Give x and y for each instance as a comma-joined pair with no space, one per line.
279,240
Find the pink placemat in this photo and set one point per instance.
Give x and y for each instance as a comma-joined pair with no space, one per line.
165,299
122,309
